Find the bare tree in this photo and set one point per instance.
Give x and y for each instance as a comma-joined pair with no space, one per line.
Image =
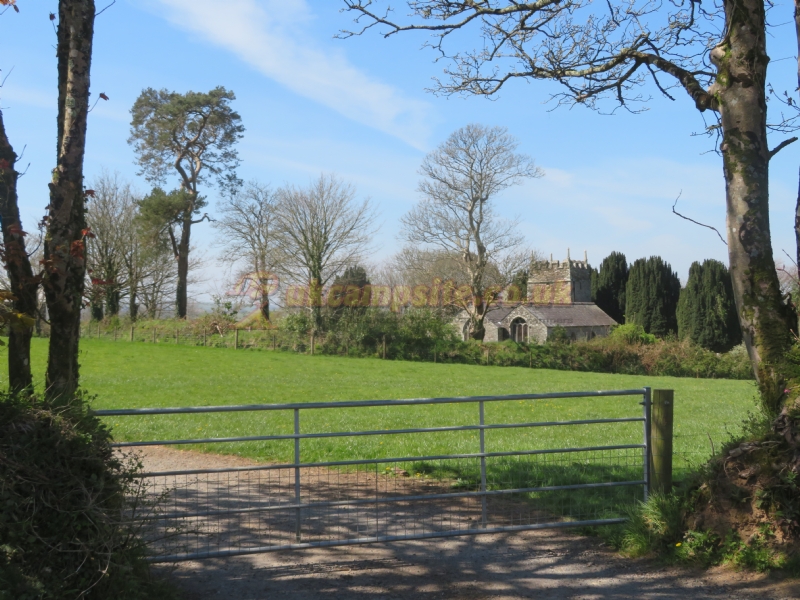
157,278
462,178
716,53
22,284
248,229
110,216
323,230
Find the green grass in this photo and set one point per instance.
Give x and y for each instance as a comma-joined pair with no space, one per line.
126,375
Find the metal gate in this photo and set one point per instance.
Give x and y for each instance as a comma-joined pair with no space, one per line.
493,477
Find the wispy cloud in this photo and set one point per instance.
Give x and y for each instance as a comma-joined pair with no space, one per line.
271,37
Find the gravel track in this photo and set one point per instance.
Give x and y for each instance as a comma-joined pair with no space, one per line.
548,564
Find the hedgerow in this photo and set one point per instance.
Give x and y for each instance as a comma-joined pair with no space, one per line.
65,526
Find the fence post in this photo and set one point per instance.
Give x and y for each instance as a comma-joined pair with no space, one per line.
98,330
115,334
384,347
204,337
661,421
176,336
273,341
312,343
131,332
236,339
154,335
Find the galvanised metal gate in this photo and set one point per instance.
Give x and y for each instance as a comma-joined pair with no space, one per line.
214,512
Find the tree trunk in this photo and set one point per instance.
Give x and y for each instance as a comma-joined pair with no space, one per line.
133,309
183,268
265,306
797,207
96,310
24,285
766,321
64,248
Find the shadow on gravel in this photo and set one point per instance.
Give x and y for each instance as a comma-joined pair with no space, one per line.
542,565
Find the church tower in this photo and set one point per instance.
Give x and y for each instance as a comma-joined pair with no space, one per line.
560,282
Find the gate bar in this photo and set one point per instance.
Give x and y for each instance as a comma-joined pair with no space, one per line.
261,438
390,499
297,471
361,403
369,461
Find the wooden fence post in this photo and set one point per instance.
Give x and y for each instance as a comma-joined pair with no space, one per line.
115,334
204,337
384,347
131,332
312,343
273,341
662,410
236,339
176,336
98,330
154,335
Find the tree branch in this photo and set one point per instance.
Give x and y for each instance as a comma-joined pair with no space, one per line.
696,222
781,146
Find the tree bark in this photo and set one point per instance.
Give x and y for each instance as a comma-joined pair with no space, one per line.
64,248
18,266
181,300
797,206
766,321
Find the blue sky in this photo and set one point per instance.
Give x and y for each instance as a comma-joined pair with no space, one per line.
311,103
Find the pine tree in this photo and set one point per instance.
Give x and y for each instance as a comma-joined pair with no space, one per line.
651,296
706,310
608,285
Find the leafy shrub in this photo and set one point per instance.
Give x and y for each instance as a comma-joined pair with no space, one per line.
63,527
632,333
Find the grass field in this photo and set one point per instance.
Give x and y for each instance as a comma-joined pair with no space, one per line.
125,375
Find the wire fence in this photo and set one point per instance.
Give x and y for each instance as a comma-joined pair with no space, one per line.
211,512
262,339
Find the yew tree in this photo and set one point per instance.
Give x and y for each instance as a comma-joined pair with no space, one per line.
194,135
713,54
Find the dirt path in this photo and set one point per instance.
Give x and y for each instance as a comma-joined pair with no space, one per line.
547,564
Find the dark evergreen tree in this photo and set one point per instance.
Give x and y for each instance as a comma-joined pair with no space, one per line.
706,310
608,285
521,281
354,275
651,296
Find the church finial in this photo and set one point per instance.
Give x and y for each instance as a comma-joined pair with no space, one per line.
586,257
568,255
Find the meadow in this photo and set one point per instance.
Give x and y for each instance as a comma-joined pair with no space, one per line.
133,375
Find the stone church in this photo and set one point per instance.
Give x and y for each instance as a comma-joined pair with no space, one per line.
559,294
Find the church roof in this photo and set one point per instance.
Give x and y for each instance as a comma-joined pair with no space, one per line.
495,315
579,314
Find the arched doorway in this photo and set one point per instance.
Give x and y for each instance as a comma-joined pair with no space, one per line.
519,330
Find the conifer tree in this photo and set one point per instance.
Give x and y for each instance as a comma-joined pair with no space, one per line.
651,296
706,310
608,285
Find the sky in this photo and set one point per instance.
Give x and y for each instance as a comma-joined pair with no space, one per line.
358,108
